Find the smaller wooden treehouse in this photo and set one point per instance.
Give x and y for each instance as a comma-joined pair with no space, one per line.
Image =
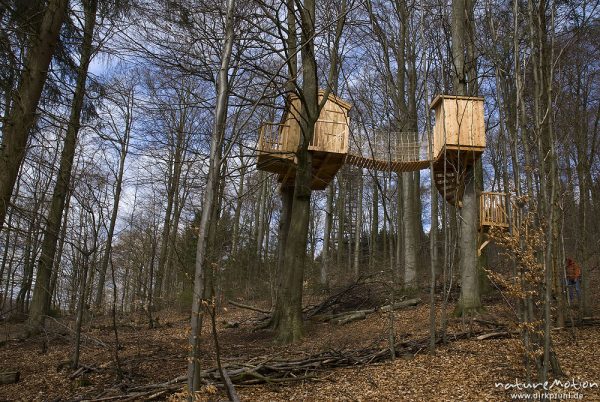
458,142
278,143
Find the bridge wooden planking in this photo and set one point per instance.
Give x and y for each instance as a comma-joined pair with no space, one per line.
386,166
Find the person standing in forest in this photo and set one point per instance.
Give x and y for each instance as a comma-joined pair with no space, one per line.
573,278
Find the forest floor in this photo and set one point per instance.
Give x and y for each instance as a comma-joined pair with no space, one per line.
465,369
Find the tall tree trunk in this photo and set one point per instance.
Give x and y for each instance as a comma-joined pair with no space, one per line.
341,219
358,233
238,206
81,306
193,375
6,260
287,317
41,294
285,218
26,98
325,256
124,144
374,252
261,220
409,234
61,244
287,192
175,169
470,300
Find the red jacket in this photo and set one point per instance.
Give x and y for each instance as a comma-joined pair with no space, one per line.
573,271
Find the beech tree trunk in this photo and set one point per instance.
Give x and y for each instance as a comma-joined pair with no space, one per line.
358,229
287,316
325,254
470,300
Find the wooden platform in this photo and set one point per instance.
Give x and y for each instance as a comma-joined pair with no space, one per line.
325,166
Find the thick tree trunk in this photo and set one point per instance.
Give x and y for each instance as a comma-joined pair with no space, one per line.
287,317
409,231
469,291
288,312
41,294
285,218
458,47
25,100
470,301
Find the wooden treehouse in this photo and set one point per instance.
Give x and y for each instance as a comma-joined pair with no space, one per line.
278,143
458,141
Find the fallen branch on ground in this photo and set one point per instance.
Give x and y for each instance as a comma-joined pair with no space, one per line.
499,334
399,305
81,370
245,306
350,316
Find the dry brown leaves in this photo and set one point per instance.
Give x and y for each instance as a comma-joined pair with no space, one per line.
462,370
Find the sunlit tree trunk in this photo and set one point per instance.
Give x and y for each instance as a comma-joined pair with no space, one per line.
325,254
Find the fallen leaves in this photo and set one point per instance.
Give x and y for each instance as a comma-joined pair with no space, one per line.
461,370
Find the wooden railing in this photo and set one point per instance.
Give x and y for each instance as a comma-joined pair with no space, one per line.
330,136
392,147
270,139
492,209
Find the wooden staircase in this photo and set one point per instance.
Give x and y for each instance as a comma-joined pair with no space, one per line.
449,177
